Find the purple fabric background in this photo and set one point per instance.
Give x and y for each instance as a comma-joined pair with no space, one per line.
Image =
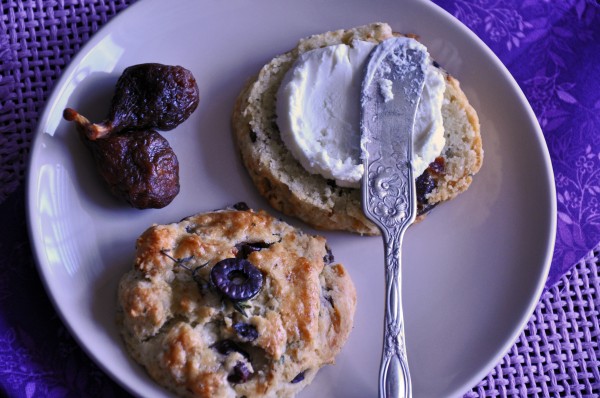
552,48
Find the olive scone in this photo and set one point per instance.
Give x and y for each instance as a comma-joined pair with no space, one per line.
296,125
234,303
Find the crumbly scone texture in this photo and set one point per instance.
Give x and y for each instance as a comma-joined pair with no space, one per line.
173,320
290,189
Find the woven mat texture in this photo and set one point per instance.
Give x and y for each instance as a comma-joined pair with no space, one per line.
37,40
557,355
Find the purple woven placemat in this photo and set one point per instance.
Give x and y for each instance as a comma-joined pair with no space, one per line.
552,48
557,355
37,40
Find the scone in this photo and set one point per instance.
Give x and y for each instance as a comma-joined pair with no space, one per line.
234,303
319,201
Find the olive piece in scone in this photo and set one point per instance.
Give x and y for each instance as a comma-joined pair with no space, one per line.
427,182
244,249
299,377
236,278
245,331
226,347
424,184
241,206
328,258
240,374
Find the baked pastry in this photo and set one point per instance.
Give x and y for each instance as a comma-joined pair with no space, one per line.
234,303
316,200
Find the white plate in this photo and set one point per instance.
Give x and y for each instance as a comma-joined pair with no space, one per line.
473,270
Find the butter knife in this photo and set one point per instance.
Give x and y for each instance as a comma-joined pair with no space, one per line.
391,89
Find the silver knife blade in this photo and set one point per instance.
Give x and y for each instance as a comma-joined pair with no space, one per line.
387,119
390,93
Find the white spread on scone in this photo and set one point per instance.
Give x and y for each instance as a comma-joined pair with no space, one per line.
318,112
385,88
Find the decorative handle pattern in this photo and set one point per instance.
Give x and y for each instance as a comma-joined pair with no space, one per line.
394,376
389,193
388,196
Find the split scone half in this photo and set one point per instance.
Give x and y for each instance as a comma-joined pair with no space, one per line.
320,202
234,303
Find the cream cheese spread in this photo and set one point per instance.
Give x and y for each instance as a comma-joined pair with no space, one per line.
318,112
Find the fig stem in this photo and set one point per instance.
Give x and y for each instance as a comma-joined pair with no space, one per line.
92,131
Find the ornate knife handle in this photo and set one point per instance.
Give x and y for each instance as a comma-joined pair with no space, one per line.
394,377
388,186
392,206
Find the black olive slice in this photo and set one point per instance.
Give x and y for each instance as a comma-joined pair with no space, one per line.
236,278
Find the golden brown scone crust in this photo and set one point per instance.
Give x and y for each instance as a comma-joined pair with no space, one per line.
319,202
171,317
